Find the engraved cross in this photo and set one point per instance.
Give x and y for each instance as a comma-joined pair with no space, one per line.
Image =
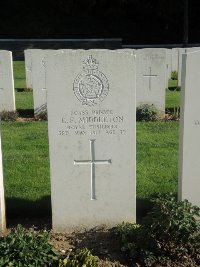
150,76
92,163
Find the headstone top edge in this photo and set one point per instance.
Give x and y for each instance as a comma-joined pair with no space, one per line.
62,51
191,52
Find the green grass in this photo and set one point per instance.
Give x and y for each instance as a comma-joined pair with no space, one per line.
24,100
172,99
26,168
172,83
157,160
19,74
26,164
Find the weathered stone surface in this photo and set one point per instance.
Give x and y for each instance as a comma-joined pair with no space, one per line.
189,160
151,77
28,68
7,94
39,80
91,117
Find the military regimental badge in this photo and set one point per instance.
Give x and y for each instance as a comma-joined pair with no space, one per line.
91,86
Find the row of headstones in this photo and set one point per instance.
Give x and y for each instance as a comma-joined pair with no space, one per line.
153,72
151,78
154,68
92,144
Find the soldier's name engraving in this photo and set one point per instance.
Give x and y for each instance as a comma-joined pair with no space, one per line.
92,122
89,119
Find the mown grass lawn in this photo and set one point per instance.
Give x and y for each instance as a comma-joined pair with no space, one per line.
26,164
19,74
26,168
172,83
24,100
173,99
157,160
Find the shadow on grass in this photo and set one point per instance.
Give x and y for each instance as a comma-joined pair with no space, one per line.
26,113
29,213
38,213
103,242
19,90
145,205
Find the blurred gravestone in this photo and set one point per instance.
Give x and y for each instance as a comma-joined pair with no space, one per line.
7,94
28,69
38,79
189,160
151,77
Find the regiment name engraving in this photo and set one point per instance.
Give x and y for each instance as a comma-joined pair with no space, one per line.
92,122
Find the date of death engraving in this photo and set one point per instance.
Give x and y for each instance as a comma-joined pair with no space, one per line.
92,123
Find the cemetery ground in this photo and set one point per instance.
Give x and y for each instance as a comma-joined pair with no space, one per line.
27,175
27,182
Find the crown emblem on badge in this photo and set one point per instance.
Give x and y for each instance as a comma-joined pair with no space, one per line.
91,86
90,63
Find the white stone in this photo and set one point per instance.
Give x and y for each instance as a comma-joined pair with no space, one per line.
39,80
181,52
28,68
189,160
168,66
2,199
151,77
7,93
175,59
92,138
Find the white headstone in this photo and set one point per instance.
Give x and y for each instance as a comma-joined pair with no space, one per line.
189,160
151,77
28,68
175,59
91,119
168,65
39,80
181,52
2,200
7,94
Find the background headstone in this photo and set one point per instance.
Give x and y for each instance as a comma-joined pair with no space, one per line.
175,58
7,94
28,68
39,80
2,200
181,52
168,65
189,160
91,120
151,77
